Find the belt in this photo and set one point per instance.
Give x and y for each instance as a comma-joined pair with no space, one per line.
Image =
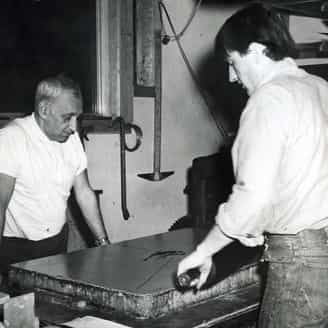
302,246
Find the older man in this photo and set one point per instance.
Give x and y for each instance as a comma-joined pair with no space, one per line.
41,159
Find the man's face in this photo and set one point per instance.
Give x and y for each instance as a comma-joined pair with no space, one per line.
243,69
61,117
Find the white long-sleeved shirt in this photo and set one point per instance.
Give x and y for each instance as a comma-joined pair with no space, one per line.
280,158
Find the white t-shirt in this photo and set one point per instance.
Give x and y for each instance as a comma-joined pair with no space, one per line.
44,172
280,158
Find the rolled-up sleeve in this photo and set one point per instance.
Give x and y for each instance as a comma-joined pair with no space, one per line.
257,155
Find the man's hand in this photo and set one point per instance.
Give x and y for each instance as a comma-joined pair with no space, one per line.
102,241
196,260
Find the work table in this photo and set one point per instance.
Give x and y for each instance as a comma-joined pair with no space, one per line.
132,283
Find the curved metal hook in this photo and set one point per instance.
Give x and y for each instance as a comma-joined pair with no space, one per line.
135,128
123,148
138,132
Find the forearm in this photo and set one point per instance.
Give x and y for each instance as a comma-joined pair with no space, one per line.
241,217
2,221
90,209
214,241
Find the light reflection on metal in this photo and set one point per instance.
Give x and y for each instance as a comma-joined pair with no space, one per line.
107,15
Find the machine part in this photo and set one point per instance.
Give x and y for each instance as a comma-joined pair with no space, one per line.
123,147
157,175
182,223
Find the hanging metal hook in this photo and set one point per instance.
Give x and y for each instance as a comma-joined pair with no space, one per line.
123,147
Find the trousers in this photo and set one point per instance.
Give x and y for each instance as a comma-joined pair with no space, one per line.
296,288
14,249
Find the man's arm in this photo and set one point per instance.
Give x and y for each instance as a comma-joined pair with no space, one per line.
87,200
7,184
201,258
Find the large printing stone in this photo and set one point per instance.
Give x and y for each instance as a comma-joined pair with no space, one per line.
136,277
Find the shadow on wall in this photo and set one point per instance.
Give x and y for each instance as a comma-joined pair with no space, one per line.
209,183
228,99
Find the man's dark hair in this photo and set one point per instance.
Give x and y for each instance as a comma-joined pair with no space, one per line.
256,23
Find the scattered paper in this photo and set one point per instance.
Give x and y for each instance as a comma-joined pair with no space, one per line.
89,321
